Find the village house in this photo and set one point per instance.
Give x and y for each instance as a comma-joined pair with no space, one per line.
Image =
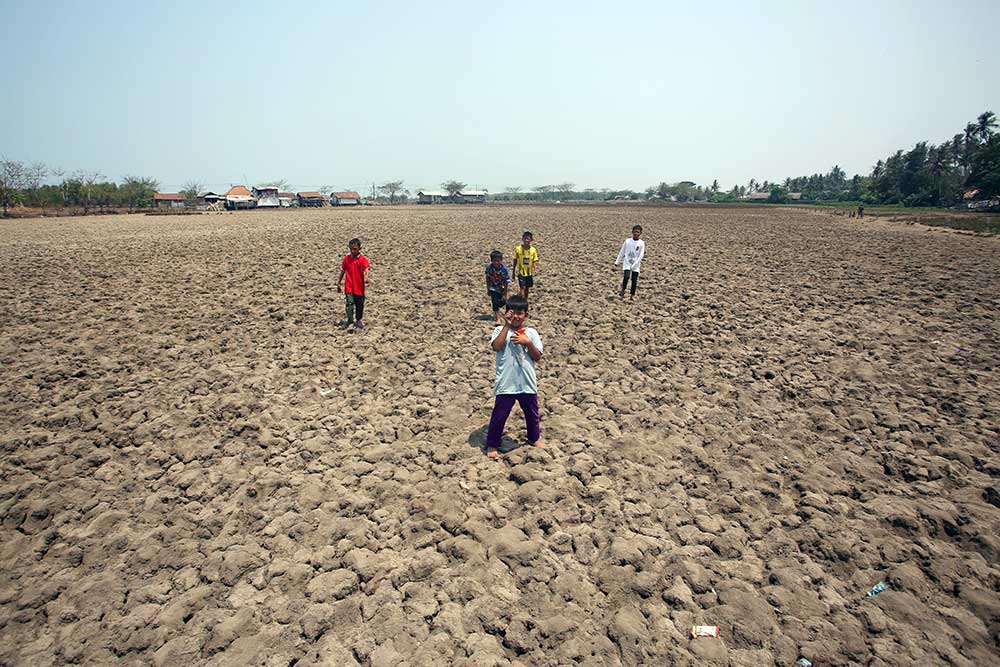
287,199
433,197
311,199
208,198
267,196
345,199
471,197
238,197
168,200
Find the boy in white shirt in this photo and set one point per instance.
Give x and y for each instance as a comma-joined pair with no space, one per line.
630,257
517,349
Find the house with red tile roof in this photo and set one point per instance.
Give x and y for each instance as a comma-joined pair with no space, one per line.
312,199
239,197
345,199
168,200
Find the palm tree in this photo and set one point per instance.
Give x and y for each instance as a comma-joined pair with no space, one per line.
938,159
984,128
971,131
956,149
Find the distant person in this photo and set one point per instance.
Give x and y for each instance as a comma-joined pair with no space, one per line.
497,281
517,349
861,210
355,269
525,264
630,258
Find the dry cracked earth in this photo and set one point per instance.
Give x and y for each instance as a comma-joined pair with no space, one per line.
199,468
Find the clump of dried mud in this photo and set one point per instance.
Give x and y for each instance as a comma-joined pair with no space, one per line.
199,468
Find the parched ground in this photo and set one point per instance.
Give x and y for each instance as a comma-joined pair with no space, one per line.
198,468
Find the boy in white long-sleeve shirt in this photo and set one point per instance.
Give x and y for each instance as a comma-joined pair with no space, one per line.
630,257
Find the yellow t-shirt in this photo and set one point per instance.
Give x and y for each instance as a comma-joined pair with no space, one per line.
524,261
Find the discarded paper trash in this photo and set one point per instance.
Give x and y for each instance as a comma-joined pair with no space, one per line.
704,631
876,589
802,662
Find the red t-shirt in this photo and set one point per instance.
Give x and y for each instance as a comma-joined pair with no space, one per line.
354,274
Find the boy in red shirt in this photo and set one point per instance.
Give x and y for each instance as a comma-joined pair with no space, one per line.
355,268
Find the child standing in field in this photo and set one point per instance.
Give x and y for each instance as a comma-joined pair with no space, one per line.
497,279
355,269
517,349
630,257
525,264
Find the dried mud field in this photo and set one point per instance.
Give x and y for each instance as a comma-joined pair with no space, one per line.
199,468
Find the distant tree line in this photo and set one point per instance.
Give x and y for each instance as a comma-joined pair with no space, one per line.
925,175
85,191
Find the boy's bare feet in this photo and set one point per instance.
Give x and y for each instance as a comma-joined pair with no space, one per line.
492,453
537,443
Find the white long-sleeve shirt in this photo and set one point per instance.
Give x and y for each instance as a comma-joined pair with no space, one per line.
631,254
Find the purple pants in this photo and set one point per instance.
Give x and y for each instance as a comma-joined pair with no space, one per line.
501,410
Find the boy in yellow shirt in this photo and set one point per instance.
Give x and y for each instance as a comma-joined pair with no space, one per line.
525,263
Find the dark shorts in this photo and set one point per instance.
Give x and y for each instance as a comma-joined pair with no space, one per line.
498,300
525,281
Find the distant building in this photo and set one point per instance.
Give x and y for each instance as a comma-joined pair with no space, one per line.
759,196
168,200
287,199
433,197
311,199
210,198
238,197
267,197
471,197
794,196
345,199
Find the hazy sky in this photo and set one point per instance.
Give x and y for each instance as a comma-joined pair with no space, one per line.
618,94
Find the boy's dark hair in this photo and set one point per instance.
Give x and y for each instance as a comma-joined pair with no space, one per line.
353,241
517,302
496,254
528,235
639,227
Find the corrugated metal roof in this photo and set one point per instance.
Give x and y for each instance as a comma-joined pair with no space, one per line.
167,196
345,195
432,193
311,195
474,193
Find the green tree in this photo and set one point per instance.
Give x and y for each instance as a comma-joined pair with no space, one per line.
191,190
565,190
453,187
543,191
391,188
136,192
984,126
778,195
985,169
13,179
